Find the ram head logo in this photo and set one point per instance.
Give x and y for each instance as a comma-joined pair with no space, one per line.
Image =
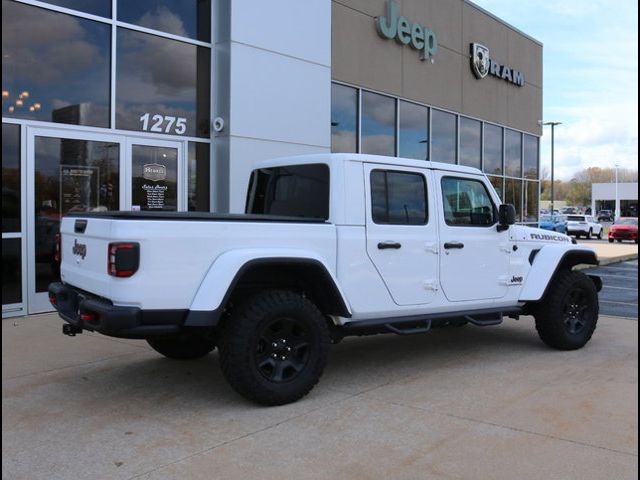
480,62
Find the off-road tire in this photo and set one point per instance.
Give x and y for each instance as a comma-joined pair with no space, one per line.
252,351
186,346
567,315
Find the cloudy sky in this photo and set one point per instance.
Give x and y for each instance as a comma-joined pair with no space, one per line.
590,77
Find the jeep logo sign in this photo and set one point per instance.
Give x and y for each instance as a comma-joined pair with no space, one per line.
482,64
417,36
154,172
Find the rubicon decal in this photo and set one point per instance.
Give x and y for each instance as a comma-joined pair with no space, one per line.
482,65
79,249
554,238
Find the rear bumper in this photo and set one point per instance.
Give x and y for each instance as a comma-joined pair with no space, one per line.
88,312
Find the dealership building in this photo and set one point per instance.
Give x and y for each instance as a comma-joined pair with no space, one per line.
168,105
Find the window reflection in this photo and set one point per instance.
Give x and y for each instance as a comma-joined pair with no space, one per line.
492,149
443,137
470,142
378,124
531,202
497,183
187,18
199,167
101,8
398,198
162,85
55,67
11,200
11,271
513,153
70,176
414,131
513,195
530,156
344,119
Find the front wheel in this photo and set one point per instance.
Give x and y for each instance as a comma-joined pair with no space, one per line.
566,318
611,240
274,347
186,346
599,236
589,233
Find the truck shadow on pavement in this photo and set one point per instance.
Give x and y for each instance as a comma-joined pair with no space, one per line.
151,382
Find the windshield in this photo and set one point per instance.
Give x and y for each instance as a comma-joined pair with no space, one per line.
627,221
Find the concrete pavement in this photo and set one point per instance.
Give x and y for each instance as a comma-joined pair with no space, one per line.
612,252
458,403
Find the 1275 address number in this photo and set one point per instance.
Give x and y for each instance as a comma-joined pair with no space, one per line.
163,124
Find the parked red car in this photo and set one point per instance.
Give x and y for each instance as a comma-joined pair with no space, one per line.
624,229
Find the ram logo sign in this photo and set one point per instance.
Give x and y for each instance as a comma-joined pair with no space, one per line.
482,65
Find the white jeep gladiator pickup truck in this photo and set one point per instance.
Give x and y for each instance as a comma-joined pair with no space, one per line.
331,245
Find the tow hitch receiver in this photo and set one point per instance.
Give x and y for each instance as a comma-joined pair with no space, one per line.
71,330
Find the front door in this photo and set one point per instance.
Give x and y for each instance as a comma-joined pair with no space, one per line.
71,171
474,263
68,172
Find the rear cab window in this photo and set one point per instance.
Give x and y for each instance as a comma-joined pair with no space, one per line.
292,190
398,198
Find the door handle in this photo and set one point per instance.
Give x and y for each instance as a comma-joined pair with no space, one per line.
450,245
389,244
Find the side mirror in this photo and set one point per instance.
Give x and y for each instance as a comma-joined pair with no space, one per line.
506,216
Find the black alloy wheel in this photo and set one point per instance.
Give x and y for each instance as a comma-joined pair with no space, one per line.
282,349
567,315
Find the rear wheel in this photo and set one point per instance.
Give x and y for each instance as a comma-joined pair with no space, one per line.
274,347
566,318
186,346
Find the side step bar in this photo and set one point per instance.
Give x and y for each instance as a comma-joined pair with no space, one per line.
423,323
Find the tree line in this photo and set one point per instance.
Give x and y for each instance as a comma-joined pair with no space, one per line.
577,191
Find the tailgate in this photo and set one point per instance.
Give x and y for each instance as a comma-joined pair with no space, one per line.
84,254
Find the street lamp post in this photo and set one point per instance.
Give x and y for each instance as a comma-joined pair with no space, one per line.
616,211
553,125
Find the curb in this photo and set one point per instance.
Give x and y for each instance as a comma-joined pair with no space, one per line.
609,261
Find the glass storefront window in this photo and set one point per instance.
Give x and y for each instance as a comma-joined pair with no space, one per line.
497,183
512,153
154,178
513,195
531,202
163,85
470,142
186,18
101,8
492,149
344,119
530,156
199,177
378,124
414,131
11,271
11,197
443,137
70,176
55,67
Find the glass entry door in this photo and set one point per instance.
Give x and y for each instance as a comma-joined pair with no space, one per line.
67,172
157,178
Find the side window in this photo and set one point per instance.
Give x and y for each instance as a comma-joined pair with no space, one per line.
398,198
467,203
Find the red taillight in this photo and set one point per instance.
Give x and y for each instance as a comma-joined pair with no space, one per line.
87,317
53,299
123,259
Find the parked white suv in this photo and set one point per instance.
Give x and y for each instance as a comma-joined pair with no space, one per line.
332,245
583,225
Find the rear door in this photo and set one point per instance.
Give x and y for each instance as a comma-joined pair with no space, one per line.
402,232
474,264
